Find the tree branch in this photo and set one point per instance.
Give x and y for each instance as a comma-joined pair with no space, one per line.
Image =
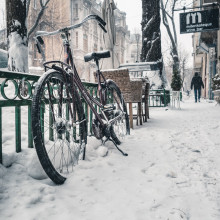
165,22
27,6
166,4
170,17
40,14
173,23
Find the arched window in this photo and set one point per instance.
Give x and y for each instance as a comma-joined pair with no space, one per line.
85,42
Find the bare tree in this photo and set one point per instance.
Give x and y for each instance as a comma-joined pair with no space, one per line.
17,32
183,60
151,37
169,23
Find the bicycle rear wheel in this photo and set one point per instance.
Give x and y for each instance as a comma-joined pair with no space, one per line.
120,128
58,125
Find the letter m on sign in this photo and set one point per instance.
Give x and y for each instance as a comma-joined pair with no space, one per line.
193,18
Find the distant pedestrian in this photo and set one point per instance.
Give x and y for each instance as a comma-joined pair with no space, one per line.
197,83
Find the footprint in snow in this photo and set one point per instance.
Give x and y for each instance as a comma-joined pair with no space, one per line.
178,214
144,170
171,175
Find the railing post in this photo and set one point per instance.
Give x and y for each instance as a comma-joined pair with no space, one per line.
91,114
86,113
42,119
18,128
67,118
51,135
1,135
164,94
160,100
30,137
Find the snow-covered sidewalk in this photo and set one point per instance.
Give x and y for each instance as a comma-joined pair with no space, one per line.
172,172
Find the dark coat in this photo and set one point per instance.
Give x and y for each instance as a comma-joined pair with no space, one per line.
197,82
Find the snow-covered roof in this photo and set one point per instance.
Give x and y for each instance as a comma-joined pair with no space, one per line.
142,66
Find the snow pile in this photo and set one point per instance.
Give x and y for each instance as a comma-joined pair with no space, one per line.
18,51
171,172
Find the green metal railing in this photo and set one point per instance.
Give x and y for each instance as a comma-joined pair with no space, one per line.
16,90
159,98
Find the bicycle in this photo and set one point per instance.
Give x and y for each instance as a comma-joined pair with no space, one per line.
59,124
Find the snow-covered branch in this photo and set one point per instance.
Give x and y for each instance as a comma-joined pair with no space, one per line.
149,23
39,16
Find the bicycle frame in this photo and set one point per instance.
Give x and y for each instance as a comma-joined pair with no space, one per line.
90,100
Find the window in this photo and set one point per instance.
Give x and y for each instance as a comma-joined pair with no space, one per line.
95,28
122,42
85,42
86,11
35,52
95,47
122,57
77,40
76,11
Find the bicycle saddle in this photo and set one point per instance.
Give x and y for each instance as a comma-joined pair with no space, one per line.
97,55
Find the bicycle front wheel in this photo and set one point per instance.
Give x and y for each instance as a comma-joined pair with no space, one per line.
58,125
120,128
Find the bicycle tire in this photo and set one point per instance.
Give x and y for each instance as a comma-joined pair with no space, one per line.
55,132
121,127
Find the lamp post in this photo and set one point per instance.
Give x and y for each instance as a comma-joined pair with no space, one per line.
211,69
137,39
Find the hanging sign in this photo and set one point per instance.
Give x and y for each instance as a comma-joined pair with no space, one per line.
199,21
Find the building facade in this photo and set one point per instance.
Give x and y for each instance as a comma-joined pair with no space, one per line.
134,46
206,51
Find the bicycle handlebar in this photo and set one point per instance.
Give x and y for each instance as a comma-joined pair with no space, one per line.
89,17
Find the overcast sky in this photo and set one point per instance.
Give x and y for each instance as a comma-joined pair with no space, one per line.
2,7
133,11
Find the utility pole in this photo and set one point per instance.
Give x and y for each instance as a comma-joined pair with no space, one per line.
183,76
211,69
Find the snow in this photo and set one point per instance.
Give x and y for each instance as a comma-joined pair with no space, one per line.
154,78
171,172
18,51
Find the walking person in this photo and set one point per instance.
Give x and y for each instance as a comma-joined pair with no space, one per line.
197,83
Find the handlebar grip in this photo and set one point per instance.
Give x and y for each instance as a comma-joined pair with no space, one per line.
40,40
103,28
100,20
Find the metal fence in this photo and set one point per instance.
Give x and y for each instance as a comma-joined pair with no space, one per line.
159,98
14,95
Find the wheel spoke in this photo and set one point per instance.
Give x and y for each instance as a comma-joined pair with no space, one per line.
61,140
